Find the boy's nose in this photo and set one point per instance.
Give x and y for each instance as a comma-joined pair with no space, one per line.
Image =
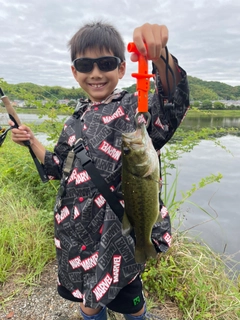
96,72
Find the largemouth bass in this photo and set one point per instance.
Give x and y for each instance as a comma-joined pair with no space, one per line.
140,184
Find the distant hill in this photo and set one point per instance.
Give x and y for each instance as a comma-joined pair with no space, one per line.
199,91
23,91
212,90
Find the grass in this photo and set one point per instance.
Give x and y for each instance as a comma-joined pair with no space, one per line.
26,218
26,240
214,113
196,278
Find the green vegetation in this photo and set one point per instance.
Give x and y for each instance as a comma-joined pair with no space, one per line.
21,90
194,277
200,91
206,90
193,112
212,90
26,219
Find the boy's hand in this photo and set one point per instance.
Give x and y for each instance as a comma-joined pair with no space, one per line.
154,36
22,133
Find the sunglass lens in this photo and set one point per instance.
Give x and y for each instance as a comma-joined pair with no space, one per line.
107,64
83,65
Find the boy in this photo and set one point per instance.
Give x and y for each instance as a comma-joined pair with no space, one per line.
96,263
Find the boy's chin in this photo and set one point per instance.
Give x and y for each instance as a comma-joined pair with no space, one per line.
99,97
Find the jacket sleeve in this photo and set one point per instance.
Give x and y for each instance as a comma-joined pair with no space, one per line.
165,116
161,231
54,161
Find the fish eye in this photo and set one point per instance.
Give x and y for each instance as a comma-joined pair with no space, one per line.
126,150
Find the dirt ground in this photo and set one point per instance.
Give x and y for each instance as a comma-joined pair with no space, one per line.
42,302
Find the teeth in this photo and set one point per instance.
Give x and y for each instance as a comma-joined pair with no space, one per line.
96,85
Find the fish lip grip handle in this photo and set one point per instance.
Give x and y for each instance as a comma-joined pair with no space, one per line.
143,83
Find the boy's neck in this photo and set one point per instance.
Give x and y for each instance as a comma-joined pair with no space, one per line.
108,99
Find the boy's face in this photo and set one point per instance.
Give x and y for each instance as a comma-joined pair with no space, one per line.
96,83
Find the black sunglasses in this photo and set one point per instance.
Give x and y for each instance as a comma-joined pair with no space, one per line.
105,64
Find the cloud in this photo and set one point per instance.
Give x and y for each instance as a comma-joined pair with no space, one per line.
203,35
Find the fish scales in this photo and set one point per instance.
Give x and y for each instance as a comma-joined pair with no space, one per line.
140,183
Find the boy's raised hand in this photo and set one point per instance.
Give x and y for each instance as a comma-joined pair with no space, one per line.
152,36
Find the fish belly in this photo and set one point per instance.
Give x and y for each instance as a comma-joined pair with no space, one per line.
141,201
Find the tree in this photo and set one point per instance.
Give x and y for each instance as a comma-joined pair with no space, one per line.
206,105
219,105
196,104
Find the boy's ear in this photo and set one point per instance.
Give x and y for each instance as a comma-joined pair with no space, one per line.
122,69
74,72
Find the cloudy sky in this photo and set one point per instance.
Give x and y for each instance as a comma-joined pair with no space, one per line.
203,35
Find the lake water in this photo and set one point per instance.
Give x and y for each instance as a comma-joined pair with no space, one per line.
24,118
211,121
221,200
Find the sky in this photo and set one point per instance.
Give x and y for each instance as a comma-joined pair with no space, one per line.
203,35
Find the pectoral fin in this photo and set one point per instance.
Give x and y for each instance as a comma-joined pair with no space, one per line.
126,225
159,218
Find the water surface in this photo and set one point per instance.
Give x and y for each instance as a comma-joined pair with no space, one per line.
220,200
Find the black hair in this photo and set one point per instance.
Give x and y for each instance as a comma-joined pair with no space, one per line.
97,35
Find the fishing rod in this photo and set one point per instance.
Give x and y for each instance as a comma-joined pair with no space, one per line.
14,117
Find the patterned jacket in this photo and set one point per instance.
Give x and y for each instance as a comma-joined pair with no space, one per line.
94,259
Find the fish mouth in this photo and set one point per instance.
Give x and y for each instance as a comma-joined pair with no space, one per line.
138,134
134,145
134,138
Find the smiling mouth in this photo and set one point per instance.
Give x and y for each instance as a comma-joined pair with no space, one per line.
97,85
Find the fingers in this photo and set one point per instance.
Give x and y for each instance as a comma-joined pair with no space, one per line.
150,39
134,57
20,134
11,123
